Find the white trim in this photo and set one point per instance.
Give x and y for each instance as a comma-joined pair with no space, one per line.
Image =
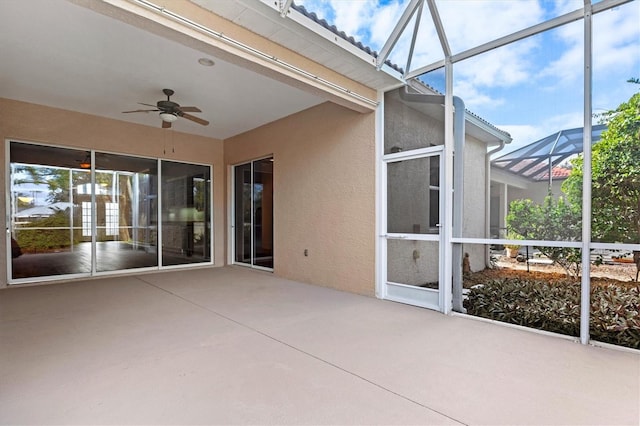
585,296
517,327
543,243
385,287
413,154
615,246
379,241
7,209
446,221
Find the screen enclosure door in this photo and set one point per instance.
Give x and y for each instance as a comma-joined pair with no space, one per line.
411,240
252,224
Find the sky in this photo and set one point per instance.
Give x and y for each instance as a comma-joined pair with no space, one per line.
531,88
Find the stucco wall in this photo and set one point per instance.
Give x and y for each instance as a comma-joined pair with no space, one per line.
536,191
324,194
36,123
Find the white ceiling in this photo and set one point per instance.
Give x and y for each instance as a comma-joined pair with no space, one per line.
59,54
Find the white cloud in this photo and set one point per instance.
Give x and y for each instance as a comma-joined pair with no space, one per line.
474,98
471,23
616,41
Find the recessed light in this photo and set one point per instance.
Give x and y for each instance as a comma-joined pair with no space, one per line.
206,62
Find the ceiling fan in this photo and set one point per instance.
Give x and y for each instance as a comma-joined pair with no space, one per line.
170,111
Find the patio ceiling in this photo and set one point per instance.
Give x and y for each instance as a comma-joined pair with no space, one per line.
96,58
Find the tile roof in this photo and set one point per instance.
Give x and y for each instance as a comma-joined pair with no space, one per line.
343,35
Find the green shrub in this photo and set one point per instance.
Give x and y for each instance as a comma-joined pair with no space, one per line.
39,240
556,308
553,220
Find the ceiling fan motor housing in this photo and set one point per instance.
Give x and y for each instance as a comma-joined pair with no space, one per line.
167,106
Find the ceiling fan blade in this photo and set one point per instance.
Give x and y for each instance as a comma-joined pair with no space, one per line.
195,119
140,110
189,109
142,103
166,125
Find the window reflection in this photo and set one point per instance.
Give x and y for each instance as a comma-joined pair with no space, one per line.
186,229
58,214
126,212
46,233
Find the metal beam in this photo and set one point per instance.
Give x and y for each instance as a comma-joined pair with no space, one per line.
585,293
284,7
423,70
397,32
439,28
519,35
416,27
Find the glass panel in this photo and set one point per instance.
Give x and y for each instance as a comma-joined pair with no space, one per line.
528,289
412,203
411,125
413,263
126,212
243,217
263,213
46,237
186,213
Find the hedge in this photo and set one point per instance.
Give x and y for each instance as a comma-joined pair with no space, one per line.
555,307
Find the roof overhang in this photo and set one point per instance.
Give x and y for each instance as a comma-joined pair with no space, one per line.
299,33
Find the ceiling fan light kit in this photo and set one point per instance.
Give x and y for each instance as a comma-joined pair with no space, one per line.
168,117
170,111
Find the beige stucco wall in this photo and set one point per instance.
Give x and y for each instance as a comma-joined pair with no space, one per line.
36,123
536,191
475,200
324,194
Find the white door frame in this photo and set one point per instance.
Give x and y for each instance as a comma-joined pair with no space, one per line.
404,293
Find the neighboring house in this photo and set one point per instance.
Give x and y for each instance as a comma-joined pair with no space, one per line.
534,171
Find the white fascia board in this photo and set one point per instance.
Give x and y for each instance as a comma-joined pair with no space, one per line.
500,176
316,28
494,135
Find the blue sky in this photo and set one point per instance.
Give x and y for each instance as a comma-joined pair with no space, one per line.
531,88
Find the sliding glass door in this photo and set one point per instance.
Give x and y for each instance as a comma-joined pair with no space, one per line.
253,213
80,213
186,213
126,212
46,228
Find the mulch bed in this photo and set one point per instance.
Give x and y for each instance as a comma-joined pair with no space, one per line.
543,275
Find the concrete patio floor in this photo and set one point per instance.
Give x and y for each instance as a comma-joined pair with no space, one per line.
231,345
